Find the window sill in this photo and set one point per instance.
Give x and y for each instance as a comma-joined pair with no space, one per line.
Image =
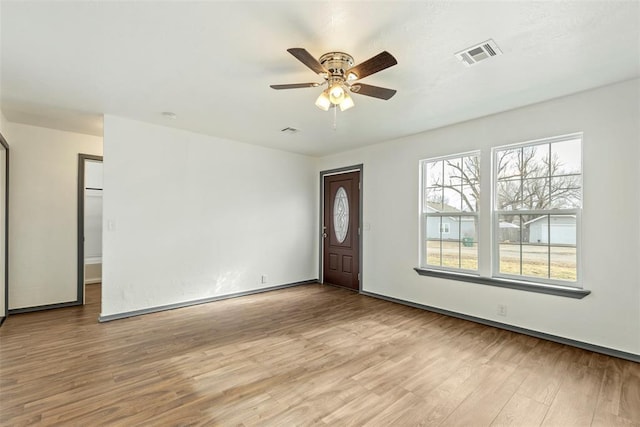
510,284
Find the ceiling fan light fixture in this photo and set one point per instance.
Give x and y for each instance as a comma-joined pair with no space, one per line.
323,102
341,77
346,103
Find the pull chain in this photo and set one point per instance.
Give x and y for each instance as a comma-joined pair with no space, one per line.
335,117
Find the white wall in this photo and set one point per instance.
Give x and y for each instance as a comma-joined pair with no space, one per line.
190,217
3,124
608,116
43,213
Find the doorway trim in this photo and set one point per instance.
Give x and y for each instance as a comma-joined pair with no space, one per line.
5,145
338,171
82,158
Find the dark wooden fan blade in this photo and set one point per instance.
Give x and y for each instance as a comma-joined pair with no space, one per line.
375,91
372,65
295,85
305,57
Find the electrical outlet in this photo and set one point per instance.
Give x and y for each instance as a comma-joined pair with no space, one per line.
263,278
502,310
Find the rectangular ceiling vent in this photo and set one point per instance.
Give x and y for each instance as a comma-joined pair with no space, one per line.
479,52
289,129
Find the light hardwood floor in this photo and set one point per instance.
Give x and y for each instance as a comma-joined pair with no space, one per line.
309,355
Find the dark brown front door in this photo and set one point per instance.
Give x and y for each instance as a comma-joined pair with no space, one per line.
341,230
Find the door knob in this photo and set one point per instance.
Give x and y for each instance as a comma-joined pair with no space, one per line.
324,235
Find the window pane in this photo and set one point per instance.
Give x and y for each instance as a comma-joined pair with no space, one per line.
509,258
566,156
469,255
469,200
452,199
452,171
535,161
562,230
433,252
509,228
434,174
433,228
471,167
535,228
433,200
535,260
535,193
566,192
509,196
507,162
509,243
469,243
451,253
564,263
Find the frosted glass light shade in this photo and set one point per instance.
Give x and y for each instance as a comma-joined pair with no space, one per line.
323,102
346,103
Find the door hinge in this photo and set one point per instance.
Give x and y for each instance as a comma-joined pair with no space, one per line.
359,183
358,231
358,277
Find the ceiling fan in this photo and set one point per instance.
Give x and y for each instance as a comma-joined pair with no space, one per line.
342,77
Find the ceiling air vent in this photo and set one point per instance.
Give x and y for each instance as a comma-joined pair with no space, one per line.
289,130
479,52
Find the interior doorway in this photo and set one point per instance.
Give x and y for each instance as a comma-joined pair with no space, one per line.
340,229
4,229
90,191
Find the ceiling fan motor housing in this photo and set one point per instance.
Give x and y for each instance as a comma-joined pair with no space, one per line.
337,63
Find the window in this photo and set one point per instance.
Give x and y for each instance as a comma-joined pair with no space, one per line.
537,202
449,219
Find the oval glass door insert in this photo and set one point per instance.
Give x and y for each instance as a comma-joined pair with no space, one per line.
341,214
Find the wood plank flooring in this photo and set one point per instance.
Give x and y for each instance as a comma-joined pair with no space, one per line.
309,355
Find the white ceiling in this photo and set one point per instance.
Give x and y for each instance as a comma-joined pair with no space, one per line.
64,64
